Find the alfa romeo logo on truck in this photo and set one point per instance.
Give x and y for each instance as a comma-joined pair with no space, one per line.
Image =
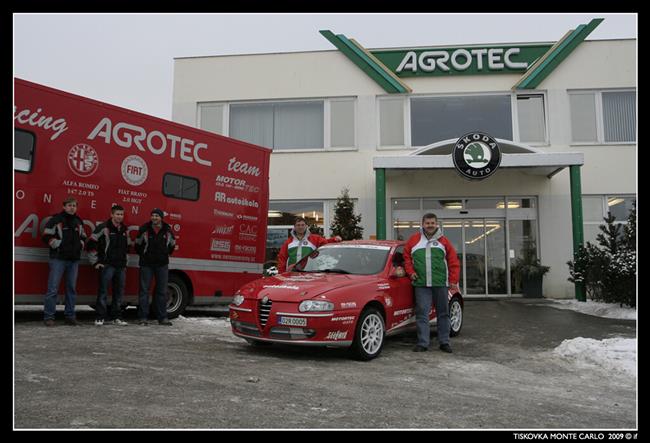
476,155
83,160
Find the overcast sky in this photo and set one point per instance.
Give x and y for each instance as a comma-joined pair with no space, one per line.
127,59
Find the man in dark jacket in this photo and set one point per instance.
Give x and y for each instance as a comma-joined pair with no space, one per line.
107,252
64,234
154,244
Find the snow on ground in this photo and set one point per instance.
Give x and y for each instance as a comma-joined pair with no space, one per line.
220,326
613,355
598,309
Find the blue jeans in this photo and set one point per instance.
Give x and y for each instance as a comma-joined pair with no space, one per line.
57,269
107,275
423,300
147,273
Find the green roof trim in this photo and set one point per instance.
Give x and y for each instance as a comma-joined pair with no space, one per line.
358,56
552,59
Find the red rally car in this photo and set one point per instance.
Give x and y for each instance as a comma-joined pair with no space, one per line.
349,294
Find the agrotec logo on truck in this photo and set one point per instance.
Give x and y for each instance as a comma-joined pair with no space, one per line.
126,135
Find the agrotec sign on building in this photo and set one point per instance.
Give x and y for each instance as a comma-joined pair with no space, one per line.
461,61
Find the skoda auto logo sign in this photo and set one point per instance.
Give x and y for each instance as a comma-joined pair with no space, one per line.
476,156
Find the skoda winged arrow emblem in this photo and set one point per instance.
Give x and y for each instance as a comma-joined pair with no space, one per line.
476,155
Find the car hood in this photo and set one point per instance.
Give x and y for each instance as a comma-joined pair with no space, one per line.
298,286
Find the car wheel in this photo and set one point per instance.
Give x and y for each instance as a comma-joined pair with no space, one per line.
455,316
369,335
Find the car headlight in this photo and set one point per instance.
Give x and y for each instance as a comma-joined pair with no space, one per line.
311,305
238,299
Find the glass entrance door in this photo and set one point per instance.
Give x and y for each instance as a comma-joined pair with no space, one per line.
481,247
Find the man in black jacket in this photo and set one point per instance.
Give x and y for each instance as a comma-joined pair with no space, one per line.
154,244
64,234
107,252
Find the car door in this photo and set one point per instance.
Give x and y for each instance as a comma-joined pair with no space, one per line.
402,311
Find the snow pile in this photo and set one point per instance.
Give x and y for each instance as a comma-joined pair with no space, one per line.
614,355
598,309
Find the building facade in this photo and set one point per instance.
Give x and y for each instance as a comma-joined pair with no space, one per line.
337,119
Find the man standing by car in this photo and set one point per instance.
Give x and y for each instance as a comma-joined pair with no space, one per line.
299,245
155,243
432,264
107,250
64,234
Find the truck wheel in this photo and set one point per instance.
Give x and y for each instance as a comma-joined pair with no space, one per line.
369,335
178,296
455,316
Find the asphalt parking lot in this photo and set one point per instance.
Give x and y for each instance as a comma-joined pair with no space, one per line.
196,374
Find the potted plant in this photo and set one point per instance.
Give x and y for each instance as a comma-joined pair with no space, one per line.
531,272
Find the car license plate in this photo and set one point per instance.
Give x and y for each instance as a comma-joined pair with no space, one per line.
292,321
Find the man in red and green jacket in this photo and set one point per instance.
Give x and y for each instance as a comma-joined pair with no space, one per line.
299,245
432,264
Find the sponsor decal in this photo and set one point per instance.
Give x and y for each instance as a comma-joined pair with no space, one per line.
292,321
223,181
234,315
251,250
244,168
248,232
218,245
27,117
126,135
349,305
223,230
345,320
388,300
337,335
232,258
295,288
220,213
134,170
403,312
83,160
221,197
382,286
476,156
252,218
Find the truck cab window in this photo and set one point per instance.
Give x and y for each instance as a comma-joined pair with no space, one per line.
182,187
24,143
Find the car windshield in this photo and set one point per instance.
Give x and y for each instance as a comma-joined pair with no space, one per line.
346,259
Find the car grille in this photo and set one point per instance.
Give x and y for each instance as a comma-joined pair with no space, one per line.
264,311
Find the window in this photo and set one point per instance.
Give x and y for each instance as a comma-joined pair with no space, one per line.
619,116
342,123
391,122
530,114
24,143
285,213
180,186
440,118
595,209
211,117
603,116
281,125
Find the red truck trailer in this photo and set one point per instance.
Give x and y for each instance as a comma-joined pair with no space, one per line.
212,189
